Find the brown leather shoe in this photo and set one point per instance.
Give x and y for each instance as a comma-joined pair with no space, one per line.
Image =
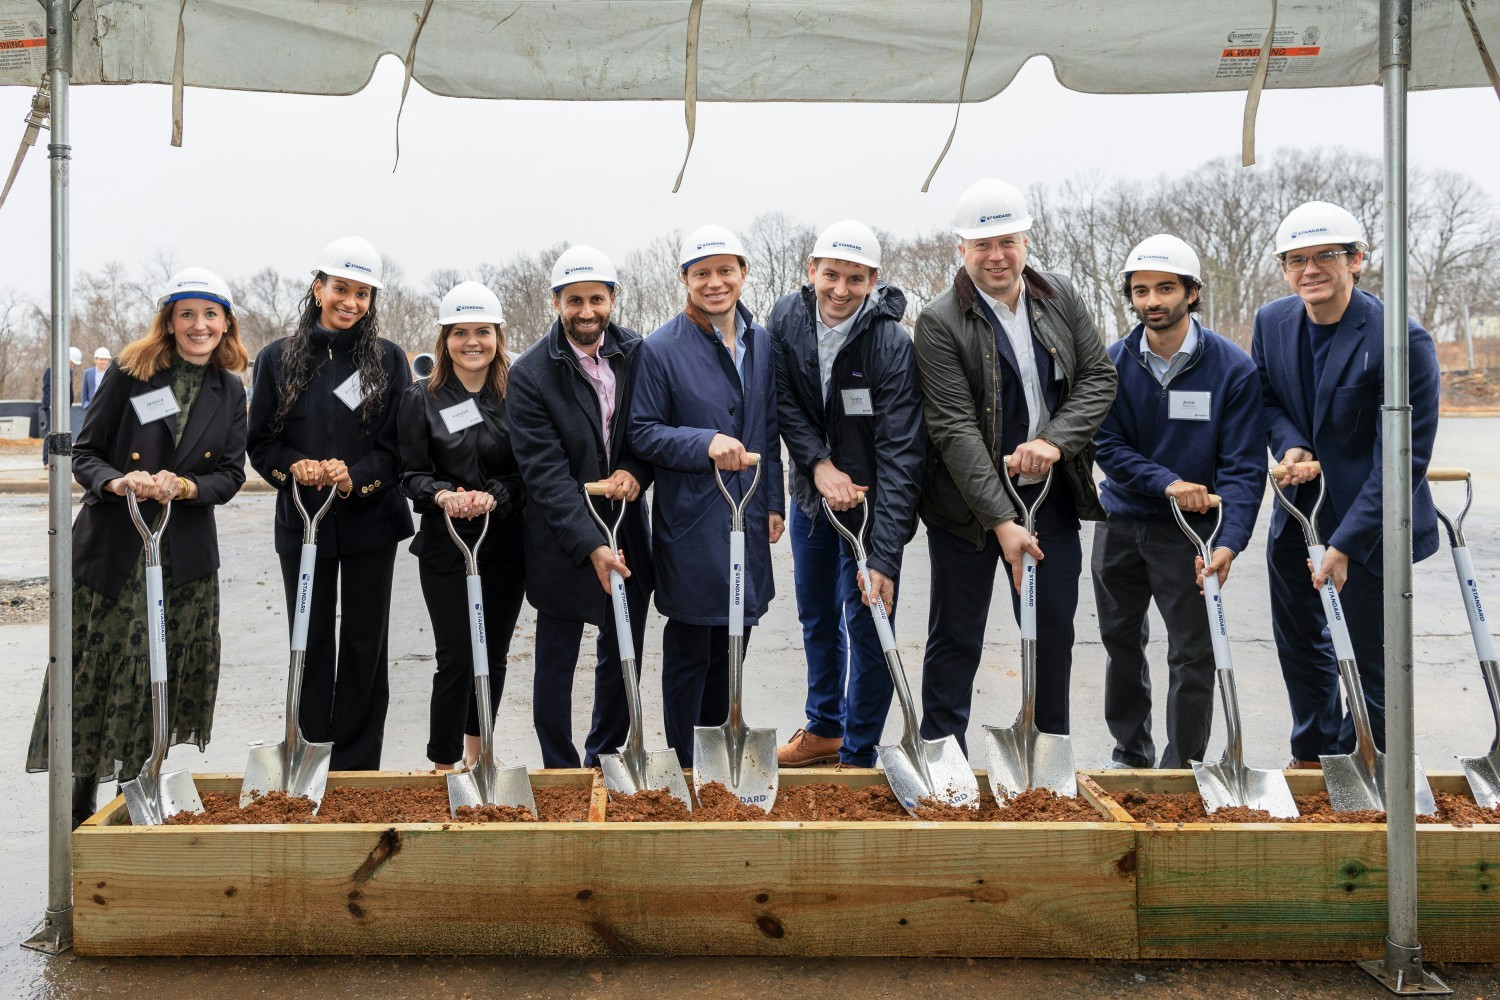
1305,765
804,750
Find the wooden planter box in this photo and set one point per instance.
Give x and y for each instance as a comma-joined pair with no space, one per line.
804,889
1303,891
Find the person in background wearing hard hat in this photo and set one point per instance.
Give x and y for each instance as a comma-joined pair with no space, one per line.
1186,423
1010,364
850,410
44,412
91,376
570,394
323,416
1321,356
456,459
169,426
706,397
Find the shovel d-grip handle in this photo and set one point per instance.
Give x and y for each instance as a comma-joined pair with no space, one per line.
310,522
1282,469
624,638
156,618
1309,522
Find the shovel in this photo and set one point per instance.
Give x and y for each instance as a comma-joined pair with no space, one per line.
489,782
1354,780
1483,771
917,769
1230,783
152,796
634,768
741,759
1023,757
294,766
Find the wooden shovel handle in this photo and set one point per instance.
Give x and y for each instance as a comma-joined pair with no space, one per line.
595,489
1214,500
1447,475
1280,470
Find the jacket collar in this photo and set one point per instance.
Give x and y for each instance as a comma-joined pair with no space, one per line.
1037,287
615,341
700,319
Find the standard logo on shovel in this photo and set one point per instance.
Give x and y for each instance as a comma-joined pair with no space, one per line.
1219,614
751,800
161,617
624,604
303,593
739,576
479,620
1478,608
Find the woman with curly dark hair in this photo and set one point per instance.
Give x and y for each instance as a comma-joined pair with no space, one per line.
323,416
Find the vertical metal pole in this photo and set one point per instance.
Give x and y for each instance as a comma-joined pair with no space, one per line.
1401,969
56,933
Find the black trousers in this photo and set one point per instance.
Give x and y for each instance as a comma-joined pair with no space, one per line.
453,710
963,581
346,685
1133,563
552,686
694,680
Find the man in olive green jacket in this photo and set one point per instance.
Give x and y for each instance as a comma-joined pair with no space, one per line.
1010,364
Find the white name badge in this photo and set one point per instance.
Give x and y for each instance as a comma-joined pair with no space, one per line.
857,403
350,392
465,414
1189,405
155,405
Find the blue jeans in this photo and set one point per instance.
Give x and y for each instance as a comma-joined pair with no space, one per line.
848,686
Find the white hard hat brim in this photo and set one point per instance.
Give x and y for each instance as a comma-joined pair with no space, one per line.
1319,240
1125,272
362,277
482,317
1007,228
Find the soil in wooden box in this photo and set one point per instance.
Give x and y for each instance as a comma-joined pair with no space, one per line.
823,801
411,804
1165,808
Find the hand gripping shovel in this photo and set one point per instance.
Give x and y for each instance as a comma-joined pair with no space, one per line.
1230,783
917,769
1354,780
294,766
1483,771
741,759
634,768
489,782
152,796
1023,757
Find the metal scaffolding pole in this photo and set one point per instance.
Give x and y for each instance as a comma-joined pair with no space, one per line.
56,933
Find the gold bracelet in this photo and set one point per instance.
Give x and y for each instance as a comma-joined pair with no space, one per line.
344,493
182,488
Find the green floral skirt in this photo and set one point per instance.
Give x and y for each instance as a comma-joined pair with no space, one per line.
112,676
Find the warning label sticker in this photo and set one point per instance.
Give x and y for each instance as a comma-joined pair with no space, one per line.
1293,50
23,52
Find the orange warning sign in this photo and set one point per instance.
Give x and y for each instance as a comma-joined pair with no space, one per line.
7,44
1300,50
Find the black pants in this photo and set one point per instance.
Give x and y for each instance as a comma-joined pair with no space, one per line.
346,687
453,709
1133,563
962,582
552,687
694,681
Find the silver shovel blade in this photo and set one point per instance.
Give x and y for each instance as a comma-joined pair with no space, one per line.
1013,771
1351,786
491,783
953,781
757,771
1219,785
150,803
660,771
266,771
1484,778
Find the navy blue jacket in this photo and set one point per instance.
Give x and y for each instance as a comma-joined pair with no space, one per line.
687,391
1142,450
886,451
1341,425
559,443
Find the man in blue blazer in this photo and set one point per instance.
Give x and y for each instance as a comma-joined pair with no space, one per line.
1320,354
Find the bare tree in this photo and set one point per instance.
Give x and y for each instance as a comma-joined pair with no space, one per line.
778,248
651,290
268,306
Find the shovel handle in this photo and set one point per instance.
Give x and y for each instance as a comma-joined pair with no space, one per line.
1280,470
623,636
1333,609
1479,626
752,458
477,643
1448,475
156,621
301,610
595,489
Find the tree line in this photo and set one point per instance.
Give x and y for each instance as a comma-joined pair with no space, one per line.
1084,226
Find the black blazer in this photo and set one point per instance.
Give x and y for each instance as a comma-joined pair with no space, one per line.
559,442
475,458
113,442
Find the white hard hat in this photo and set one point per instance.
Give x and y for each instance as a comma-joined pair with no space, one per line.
1163,252
1316,223
849,240
470,302
102,353
583,263
353,258
75,355
990,207
196,283
708,241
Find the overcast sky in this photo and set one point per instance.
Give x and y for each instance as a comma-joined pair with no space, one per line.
269,179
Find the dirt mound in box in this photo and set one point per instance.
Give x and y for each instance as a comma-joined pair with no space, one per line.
411,804
1175,808
820,801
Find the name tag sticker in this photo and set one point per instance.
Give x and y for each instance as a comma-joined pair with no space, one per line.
350,392
155,405
1189,405
456,418
857,403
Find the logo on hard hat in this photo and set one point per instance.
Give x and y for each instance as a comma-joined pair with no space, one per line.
469,309
359,267
995,218
1308,232
580,267
848,246
1152,256
191,281
711,243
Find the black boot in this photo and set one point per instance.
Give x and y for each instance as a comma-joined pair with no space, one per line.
84,791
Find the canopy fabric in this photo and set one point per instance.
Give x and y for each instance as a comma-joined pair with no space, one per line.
747,50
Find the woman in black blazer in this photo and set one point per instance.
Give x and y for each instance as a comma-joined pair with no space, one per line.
323,416
190,451
456,457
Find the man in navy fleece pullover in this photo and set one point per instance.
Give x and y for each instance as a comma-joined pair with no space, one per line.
1186,422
